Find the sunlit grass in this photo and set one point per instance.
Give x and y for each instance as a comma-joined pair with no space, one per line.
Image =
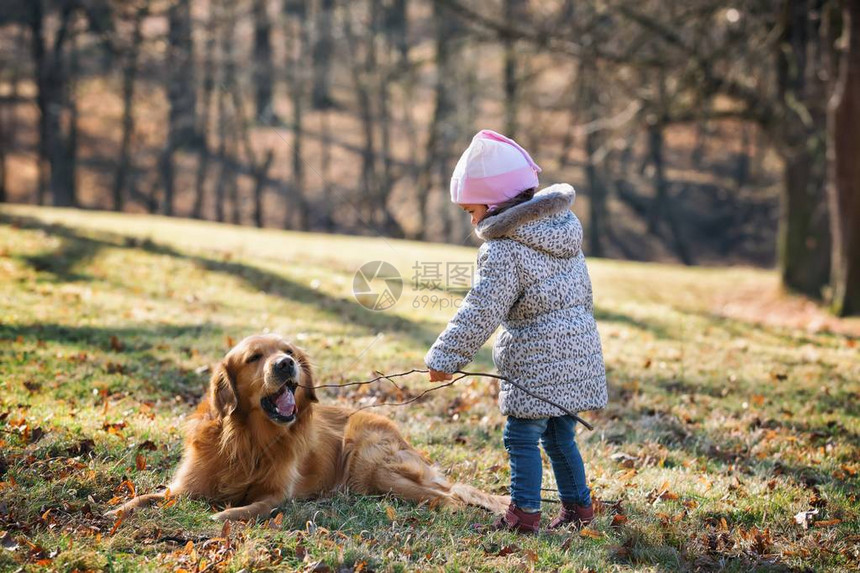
717,434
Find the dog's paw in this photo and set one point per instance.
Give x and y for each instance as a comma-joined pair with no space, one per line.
114,513
226,515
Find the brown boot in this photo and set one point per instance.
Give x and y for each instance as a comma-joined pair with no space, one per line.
515,519
571,513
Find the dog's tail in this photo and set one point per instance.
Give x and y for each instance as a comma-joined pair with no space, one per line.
473,496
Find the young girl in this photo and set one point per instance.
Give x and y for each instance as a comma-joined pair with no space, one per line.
533,280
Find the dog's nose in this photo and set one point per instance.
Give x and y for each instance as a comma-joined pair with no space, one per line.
285,364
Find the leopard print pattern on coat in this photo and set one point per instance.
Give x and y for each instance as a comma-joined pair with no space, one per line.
532,279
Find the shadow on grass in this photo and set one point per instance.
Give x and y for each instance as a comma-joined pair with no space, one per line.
125,359
78,248
658,330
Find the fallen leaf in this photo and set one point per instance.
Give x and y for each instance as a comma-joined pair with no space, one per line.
36,434
119,519
148,445
82,448
826,522
567,542
32,386
115,344
390,512
618,520
128,485
590,533
629,474
301,551
140,462
623,459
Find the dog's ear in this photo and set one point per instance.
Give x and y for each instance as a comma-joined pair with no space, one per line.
308,381
222,391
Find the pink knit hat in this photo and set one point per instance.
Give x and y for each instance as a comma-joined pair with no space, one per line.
493,169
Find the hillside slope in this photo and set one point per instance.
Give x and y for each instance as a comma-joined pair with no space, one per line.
719,431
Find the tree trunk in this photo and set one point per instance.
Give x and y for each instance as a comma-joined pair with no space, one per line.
226,120
362,72
803,238
655,153
397,25
5,139
514,12
204,154
129,79
325,172
393,27
70,160
844,170
296,78
321,57
263,67
442,129
56,107
220,189
180,93
662,209
43,101
261,172
597,200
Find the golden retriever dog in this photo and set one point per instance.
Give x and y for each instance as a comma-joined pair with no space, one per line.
259,437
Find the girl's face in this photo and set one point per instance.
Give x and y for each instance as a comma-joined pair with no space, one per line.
476,211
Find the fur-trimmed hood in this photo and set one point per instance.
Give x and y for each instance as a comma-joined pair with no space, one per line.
544,223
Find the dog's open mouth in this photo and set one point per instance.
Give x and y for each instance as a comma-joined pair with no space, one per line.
280,406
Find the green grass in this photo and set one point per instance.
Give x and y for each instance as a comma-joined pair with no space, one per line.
727,429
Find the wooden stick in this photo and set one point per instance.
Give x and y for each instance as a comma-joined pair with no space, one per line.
463,373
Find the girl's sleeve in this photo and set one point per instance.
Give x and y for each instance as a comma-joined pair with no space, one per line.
494,292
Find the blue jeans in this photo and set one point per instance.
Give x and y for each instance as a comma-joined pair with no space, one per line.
557,436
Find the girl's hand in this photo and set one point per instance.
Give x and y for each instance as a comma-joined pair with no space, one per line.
439,376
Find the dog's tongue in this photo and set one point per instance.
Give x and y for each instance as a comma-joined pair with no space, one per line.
286,403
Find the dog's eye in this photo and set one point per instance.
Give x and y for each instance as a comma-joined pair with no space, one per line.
253,358
290,351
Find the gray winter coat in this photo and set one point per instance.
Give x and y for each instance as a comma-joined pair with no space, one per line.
532,280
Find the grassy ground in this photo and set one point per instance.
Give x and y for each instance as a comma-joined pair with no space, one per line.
719,432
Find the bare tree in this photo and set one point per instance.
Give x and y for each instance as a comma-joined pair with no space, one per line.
804,248
56,165
323,48
213,22
8,115
296,31
263,66
129,81
181,93
442,130
514,12
844,169
226,185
